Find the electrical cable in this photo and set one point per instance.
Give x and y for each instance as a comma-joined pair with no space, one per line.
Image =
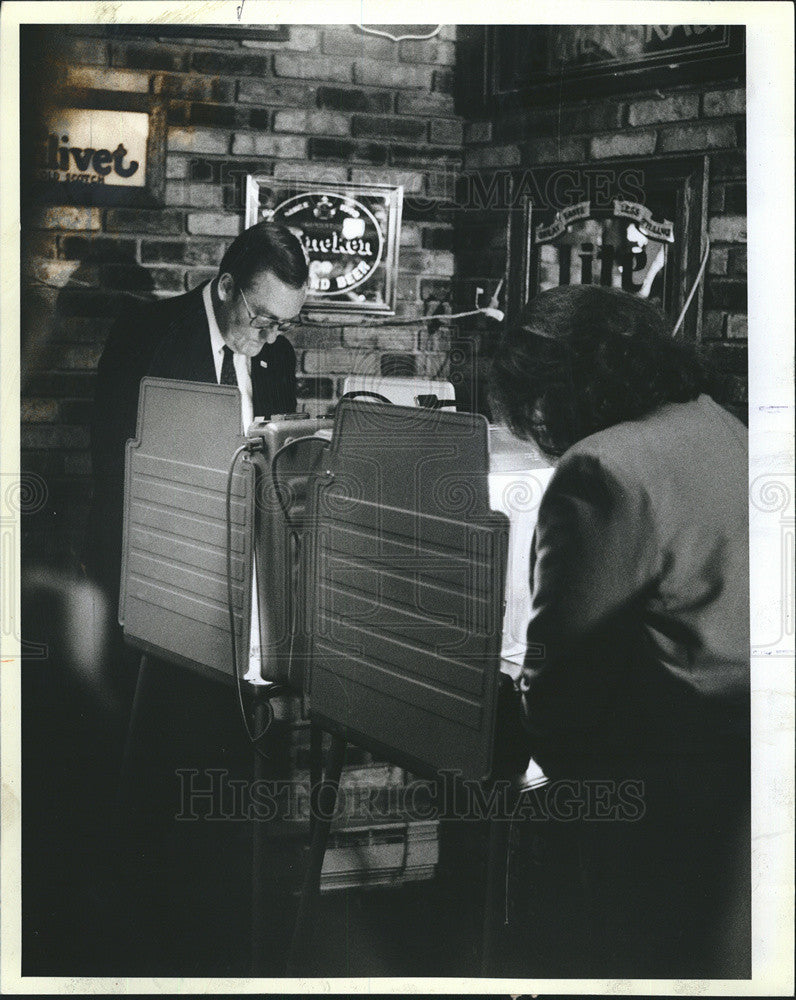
694,287
275,480
275,689
365,394
295,536
489,310
411,321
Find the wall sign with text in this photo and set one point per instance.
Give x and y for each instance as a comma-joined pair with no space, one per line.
350,235
548,62
100,156
642,230
96,147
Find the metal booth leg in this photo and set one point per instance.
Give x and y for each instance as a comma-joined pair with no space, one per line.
263,903
131,743
323,801
316,766
494,874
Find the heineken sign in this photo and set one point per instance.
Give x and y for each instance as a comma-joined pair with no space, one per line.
350,236
342,237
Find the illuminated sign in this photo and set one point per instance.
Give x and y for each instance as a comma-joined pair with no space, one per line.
349,233
342,237
95,147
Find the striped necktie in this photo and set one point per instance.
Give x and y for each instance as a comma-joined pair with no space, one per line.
228,376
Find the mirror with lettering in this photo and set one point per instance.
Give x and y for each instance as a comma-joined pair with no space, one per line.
349,233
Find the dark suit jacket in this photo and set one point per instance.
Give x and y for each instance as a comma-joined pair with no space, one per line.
168,339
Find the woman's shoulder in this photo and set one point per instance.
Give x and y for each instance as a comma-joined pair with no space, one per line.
615,450
675,427
675,449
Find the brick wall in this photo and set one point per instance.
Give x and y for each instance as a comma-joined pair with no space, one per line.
329,103
708,119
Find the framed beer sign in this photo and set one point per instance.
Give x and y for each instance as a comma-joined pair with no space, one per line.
349,233
642,228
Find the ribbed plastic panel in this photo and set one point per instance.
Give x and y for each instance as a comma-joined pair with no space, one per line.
173,600
407,562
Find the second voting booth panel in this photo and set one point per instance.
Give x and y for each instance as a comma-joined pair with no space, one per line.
406,568
174,601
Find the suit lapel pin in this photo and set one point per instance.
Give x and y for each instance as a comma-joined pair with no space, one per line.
263,364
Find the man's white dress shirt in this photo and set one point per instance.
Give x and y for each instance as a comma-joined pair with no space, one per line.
243,374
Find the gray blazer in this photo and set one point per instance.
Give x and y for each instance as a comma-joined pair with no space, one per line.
639,632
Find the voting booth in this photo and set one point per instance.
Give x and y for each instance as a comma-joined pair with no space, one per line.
287,454
369,559
400,509
405,514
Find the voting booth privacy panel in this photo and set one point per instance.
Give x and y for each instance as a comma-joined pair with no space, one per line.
174,595
173,599
405,583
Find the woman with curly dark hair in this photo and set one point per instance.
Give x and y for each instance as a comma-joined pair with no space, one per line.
637,672
586,358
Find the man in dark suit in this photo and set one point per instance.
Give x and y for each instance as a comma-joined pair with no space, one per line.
228,331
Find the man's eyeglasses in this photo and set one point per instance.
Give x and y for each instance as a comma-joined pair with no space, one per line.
266,322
